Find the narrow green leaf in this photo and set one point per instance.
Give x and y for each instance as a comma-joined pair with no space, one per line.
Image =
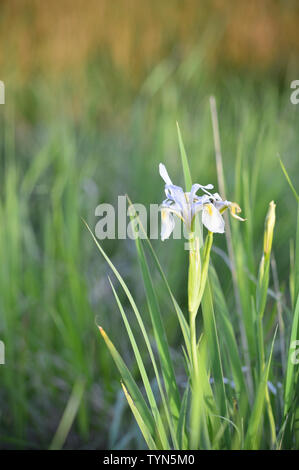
160,335
142,426
252,438
199,412
186,169
289,180
296,266
68,415
181,429
182,320
290,384
204,423
228,336
134,307
132,303
130,384
210,329
143,373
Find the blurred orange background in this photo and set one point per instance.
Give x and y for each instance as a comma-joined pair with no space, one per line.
64,35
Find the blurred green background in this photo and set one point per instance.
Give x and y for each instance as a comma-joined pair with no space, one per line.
93,92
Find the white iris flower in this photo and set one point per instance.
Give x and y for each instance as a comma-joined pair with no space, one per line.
187,205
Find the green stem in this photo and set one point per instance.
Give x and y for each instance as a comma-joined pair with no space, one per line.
205,267
196,286
193,343
197,278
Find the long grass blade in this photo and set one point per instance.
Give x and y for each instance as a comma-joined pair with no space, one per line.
131,385
253,433
143,373
186,169
144,429
290,385
68,416
160,336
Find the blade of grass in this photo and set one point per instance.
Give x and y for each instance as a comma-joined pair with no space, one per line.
181,429
210,330
135,393
186,169
143,373
252,438
290,385
206,406
69,415
160,335
228,335
292,376
228,233
289,180
182,320
144,429
133,305
296,265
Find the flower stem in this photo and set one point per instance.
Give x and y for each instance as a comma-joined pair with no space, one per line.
196,285
197,277
193,341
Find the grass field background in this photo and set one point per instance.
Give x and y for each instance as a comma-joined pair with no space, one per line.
81,126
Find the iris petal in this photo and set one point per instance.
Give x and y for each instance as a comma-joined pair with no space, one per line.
212,219
177,195
164,174
167,224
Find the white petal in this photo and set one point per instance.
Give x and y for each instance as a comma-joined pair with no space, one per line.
212,219
177,195
198,204
192,194
164,174
167,224
172,207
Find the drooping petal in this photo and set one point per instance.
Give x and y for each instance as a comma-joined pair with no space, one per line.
167,224
232,206
171,207
177,195
234,210
164,174
212,218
